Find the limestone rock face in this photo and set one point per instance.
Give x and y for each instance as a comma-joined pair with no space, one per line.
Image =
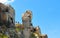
26,20
10,29
7,20
7,15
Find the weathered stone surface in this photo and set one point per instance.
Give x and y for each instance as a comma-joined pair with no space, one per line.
8,28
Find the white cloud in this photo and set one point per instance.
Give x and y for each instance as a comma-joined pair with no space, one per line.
6,1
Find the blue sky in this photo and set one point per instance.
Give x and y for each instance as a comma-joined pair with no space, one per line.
46,14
